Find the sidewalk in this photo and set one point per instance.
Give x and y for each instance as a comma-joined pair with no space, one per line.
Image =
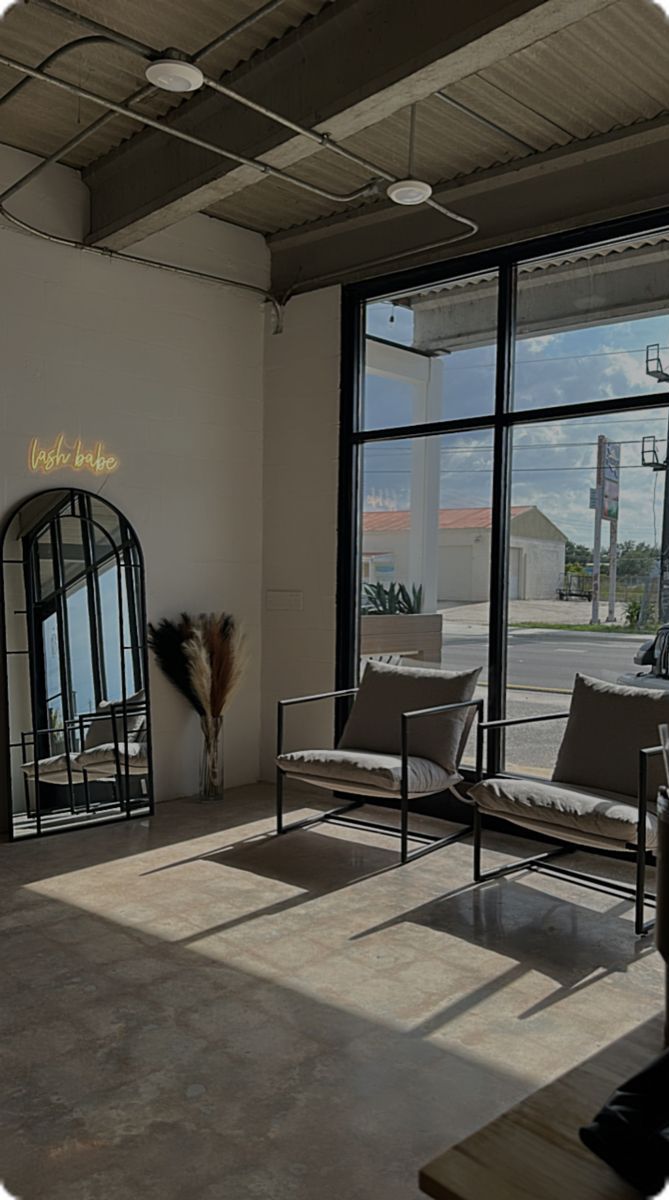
552,612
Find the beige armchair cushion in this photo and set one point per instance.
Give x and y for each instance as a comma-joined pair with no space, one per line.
608,725
54,769
101,760
588,816
381,773
101,731
387,691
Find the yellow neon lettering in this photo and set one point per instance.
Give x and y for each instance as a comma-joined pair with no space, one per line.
61,455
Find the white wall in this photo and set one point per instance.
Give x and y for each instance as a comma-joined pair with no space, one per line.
300,516
542,567
168,372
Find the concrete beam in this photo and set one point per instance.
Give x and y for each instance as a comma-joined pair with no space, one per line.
623,172
354,64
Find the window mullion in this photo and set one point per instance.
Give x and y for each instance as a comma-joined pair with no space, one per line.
499,561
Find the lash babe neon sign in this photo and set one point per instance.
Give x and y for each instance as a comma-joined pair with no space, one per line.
63,456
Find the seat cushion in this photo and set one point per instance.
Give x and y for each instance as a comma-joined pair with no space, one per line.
387,691
381,772
54,769
608,725
588,816
101,760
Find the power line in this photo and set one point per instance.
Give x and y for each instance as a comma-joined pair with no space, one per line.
516,470
520,446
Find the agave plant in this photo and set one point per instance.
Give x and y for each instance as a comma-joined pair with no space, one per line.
390,599
204,658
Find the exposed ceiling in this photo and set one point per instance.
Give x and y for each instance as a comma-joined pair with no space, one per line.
40,119
502,92
604,72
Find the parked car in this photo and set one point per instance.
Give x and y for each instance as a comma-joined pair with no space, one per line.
654,654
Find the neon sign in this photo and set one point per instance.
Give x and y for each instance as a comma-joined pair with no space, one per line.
63,456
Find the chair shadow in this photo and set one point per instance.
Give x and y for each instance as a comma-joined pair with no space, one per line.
561,939
318,864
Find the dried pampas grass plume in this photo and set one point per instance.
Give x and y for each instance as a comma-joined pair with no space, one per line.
204,657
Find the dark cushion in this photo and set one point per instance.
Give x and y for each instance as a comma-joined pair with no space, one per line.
608,725
388,691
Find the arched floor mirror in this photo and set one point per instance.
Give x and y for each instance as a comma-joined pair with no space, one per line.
76,725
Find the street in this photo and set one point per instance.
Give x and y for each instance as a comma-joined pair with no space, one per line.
541,658
541,669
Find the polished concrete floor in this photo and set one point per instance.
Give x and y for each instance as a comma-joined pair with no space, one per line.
193,1009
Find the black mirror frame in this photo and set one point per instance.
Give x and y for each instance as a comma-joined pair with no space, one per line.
6,814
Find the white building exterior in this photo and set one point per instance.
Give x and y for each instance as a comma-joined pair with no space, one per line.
537,559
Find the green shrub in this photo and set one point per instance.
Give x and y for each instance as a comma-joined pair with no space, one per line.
392,598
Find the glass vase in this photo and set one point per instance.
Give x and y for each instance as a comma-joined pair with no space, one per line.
211,772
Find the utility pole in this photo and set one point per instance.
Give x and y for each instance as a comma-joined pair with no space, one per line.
597,546
613,570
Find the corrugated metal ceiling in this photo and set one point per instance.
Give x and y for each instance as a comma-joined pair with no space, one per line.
604,72
41,118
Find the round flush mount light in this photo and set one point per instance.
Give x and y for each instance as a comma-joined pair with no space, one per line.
174,76
409,191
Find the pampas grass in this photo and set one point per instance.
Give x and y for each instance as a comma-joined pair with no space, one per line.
204,658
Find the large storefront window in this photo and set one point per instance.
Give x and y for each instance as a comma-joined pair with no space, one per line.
507,460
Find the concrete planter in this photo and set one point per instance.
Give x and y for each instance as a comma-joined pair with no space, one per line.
416,635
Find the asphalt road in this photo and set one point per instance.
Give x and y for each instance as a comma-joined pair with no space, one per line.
541,674
547,660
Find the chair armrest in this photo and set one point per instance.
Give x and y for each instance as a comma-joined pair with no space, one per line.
484,726
523,720
430,712
318,696
283,704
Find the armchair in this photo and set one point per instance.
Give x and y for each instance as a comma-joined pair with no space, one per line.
403,741
601,794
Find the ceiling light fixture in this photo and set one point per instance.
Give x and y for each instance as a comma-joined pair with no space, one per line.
172,75
409,191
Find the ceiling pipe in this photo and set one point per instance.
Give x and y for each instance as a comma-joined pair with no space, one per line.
59,10
72,243
328,143
322,139
104,34
61,52
143,119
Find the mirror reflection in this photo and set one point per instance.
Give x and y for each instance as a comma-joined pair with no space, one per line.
77,728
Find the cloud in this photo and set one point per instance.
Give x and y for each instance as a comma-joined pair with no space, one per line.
5,6
664,5
4,1194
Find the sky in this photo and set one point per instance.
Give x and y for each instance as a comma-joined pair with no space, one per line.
553,463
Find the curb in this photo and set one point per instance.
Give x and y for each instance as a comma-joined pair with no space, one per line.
614,636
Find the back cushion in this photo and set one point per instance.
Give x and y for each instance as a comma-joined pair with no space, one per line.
101,732
608,725
388,691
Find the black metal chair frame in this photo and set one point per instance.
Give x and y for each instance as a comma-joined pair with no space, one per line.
543,862
339,815
77,726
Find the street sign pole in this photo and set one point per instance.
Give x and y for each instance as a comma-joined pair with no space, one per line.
613,570
597,544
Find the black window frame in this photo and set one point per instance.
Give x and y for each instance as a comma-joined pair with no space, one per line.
353,438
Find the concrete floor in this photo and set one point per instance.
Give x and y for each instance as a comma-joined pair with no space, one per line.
194,1009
